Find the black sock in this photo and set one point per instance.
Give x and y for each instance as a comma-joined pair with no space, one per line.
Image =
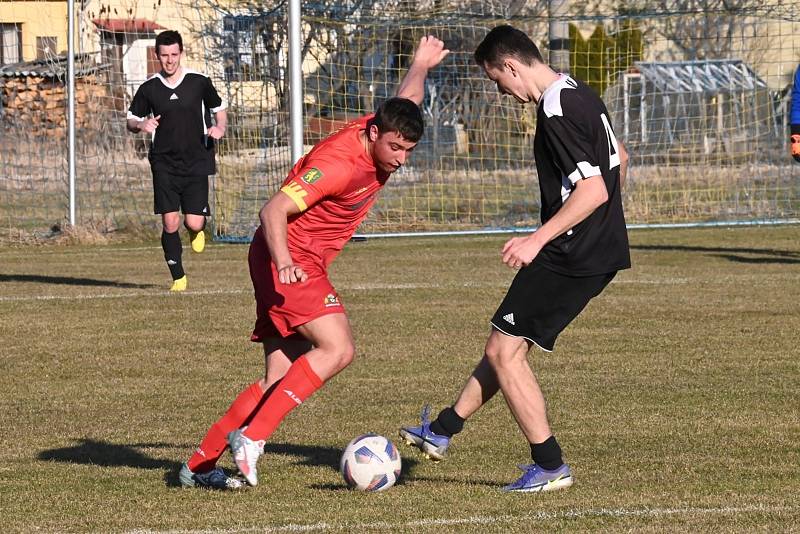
447,423
547,455
171,243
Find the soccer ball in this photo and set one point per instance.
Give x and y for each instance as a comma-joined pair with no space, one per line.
370,463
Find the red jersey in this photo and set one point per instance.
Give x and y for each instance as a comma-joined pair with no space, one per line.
334,186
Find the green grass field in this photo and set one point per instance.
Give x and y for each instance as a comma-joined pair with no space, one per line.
674,395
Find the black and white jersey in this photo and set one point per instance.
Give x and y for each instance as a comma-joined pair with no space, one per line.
180,144
574,141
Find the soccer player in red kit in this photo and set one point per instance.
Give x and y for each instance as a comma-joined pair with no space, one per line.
299,317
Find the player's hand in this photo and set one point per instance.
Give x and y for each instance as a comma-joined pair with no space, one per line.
520,251
290,274
215,132
149,125
794,141
430,52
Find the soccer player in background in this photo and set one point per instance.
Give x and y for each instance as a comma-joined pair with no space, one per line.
175,107
300,318
794,117
567,261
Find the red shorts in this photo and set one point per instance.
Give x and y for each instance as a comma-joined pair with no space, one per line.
282,307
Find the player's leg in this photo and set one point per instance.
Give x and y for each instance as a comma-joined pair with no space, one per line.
173,250
508,357
433,438
166,202
538,306
194,203
333,350
278,356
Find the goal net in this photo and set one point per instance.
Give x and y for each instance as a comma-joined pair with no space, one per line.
699,91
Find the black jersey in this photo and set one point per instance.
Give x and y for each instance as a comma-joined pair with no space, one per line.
574,141
181,145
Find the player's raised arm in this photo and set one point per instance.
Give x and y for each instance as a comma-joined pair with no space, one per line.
429,53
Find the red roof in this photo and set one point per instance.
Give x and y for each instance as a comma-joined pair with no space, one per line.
127,25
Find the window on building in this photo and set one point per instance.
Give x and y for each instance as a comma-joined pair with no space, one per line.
46,46
244,56
10,43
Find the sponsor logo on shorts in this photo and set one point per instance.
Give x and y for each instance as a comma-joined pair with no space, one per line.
509,318
312,175
331,300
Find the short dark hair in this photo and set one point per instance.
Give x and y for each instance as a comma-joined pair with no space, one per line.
169,37
399,115
506,41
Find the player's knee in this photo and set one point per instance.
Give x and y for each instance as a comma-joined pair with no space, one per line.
337,356
171,226
497,357
195,225
342,355
346,355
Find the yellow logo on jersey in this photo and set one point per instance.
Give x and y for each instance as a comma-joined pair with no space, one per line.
312,175
296,193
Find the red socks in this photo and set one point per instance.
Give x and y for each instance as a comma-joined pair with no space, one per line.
216,440
298,385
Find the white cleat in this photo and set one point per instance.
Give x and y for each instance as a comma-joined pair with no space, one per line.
245,454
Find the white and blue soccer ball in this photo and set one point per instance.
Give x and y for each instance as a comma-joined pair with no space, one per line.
370,463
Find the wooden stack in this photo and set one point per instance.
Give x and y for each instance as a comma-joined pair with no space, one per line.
39,104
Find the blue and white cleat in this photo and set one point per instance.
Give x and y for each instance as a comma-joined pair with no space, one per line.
433,446
214,479
535,479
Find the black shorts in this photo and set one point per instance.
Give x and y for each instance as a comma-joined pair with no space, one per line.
541,303
188,194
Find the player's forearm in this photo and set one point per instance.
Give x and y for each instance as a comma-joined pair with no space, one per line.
134,125
221,120
623,163
274,226
413,85
589,194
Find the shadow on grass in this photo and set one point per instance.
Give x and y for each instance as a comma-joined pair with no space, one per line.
311,455
407,477
733,253
69,281
104,454
316,456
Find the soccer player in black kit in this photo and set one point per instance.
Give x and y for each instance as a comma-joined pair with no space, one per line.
566,262
175,107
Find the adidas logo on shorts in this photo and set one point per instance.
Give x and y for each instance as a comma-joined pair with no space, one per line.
509,318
